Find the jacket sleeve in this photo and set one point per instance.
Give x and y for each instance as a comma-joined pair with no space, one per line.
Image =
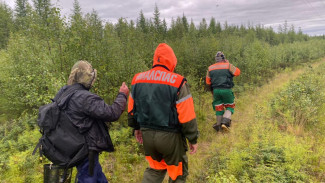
131,120
208,81
95,107
234,70
186,114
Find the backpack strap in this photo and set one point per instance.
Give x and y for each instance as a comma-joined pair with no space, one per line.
37,146
91,160
71,89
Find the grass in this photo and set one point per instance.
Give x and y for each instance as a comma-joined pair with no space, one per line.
254,151
251,108
249,121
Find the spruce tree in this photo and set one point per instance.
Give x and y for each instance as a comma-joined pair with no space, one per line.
157,21
142,23
212,26
20,14
43,8
21,8
185,23
6,22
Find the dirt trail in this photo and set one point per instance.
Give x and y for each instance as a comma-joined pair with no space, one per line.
245,112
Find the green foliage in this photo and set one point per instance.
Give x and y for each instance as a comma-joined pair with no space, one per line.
268,157
41,48
299,104
6,23
256,67
30,81
266,152
221,178
18,139
127,153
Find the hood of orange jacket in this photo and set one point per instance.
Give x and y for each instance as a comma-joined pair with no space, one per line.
165,56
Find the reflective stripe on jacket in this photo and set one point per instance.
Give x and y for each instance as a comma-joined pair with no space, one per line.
154,93
160,99
220,75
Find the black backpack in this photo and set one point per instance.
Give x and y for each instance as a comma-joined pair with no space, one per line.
61,141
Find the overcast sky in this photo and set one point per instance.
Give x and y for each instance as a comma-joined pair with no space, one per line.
307,14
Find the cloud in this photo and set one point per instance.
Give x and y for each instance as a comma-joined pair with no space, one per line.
307,14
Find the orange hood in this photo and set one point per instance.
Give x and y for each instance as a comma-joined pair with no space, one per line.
165,56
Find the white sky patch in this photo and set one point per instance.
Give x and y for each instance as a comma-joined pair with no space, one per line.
307,14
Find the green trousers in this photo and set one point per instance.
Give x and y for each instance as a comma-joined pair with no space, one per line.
223,99
165,152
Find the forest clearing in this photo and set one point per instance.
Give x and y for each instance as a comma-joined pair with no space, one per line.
252,125
277,134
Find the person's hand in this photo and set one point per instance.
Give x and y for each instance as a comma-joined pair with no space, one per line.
124,89
193,148
138,136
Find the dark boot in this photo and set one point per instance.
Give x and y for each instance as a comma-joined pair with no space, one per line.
225,124
217,126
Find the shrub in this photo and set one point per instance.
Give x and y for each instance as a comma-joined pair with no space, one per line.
298,105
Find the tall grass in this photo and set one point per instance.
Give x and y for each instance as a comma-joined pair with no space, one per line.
273,147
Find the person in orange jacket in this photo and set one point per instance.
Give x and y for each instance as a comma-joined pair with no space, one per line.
161,111
219,80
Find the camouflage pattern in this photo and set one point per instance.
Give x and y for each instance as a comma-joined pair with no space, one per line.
219,56
83,73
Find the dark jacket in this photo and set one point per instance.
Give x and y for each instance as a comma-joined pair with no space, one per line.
89,113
